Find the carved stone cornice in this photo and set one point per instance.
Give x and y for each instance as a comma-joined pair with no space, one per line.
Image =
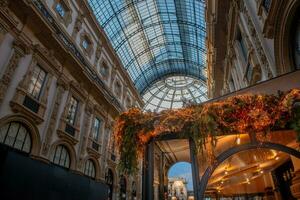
65,136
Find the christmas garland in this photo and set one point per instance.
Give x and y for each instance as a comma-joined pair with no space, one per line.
204,122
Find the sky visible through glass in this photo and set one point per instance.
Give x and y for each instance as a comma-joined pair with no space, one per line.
155,39
182,170
174,92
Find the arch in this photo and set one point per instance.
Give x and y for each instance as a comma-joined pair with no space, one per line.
96,165
282,39
110,181
28,123
234,150
71,150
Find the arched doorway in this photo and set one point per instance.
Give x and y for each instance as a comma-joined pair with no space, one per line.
109,178
180,181
251,149
123,188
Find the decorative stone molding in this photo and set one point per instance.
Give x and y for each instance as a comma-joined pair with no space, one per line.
77,26
67,19
98,54
34,132
257,44
5,80
84,36
71,150
37,107
53,119
75,90
86,128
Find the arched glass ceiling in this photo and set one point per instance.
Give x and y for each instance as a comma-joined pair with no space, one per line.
173,92
155,38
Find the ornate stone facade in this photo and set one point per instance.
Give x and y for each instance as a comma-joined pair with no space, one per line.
253,29
69,71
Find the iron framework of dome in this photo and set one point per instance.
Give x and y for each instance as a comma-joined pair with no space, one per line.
156,39
174,92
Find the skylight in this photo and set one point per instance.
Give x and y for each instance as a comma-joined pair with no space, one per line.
156,39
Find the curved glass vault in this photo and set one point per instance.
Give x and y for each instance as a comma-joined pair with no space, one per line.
156,39
174,92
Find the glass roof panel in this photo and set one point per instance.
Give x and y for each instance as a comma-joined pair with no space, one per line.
174,92
156,39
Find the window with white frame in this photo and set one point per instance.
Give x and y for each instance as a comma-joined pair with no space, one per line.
37,82
96,129
89,168
61,156
15,135
73,106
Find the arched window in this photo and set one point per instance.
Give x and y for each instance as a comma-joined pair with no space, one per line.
15,135
89,168
109,179
61,156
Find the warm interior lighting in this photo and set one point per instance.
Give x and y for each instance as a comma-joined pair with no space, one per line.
276,158
238,140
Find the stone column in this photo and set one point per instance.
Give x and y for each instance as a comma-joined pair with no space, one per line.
295,187
5,80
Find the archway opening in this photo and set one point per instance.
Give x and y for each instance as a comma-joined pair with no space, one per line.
180,181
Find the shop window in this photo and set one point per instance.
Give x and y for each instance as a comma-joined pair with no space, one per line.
15,135
89,168
61,156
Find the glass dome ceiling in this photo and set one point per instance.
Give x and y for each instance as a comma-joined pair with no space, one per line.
156,39
173,92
